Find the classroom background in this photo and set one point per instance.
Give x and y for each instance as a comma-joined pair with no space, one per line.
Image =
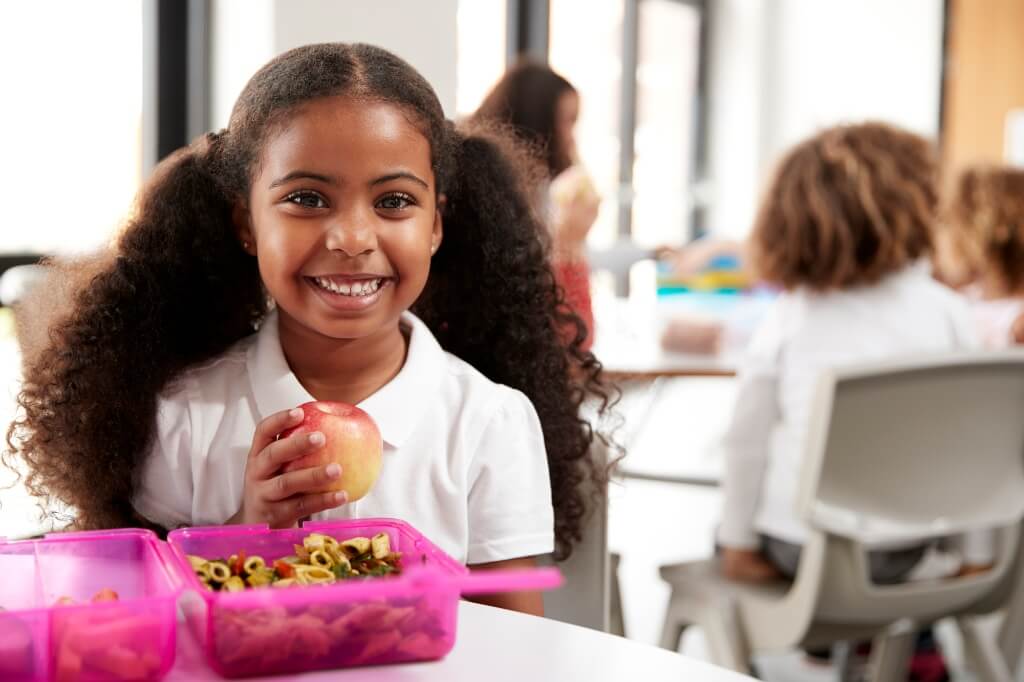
685,107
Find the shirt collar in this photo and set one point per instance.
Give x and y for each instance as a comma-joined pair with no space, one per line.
397,407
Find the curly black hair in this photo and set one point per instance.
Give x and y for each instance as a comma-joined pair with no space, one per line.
179,290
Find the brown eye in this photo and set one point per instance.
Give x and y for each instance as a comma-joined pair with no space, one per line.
395,202
306,200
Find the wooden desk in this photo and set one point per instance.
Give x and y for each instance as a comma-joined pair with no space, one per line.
494,645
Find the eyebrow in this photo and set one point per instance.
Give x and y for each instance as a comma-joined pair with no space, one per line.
309,175
398,176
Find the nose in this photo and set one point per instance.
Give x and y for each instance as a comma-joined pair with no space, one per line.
352,233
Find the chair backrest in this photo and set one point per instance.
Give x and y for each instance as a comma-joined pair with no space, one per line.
584,599
915,449
906,451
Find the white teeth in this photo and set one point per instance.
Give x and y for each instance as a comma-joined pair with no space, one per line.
360,288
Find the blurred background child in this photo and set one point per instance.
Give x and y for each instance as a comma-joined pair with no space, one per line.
542,108
983,250
845,229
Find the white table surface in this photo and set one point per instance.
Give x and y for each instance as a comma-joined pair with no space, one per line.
628,333
495,645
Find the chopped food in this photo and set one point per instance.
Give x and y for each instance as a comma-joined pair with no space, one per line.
15,649
320,559
275,639
117,643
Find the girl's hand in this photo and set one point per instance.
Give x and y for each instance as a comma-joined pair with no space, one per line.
282,499
973,569
576,205
748,566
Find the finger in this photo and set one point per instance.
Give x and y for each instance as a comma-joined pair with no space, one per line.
284,450
268,429
294,508
301,481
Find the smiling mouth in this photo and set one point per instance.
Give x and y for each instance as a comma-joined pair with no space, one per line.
355,288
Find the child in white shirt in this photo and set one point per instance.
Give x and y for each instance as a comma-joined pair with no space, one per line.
388,259
844,229
983,250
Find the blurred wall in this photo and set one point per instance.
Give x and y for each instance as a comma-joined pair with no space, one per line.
783,69
247,33
985,80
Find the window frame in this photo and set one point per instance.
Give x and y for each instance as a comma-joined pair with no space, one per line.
528,33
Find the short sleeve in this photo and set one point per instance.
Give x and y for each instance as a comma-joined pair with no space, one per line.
510,510
164,495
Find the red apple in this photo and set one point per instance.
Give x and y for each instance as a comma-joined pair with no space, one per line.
352,440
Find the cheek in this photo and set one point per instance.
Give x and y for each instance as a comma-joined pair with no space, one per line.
409,250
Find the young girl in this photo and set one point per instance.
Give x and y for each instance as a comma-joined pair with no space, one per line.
339,240
844,230
984,237
541,108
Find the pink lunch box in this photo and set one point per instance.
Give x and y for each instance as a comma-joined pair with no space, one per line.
354,622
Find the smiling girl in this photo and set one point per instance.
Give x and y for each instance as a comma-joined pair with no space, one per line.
339,240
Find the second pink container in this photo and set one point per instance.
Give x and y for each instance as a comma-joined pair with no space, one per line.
50,627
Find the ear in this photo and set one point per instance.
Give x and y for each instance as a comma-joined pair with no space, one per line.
438,230
242,221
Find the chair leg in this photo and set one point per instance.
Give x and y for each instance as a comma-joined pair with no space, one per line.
725,637
843,660
1011,631
616,618
984,655
671,632
891,652
720,624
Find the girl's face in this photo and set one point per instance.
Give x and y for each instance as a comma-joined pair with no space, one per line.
342,217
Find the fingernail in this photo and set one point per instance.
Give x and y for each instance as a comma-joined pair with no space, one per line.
295,413
341,498
333,470
317,438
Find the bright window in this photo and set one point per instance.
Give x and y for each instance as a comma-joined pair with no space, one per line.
664,141
72,117
481,51
590,55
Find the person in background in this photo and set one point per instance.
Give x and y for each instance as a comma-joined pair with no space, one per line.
845,230
339,240
983,250
542,107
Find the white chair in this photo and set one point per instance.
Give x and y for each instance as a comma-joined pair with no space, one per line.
895,452
584,599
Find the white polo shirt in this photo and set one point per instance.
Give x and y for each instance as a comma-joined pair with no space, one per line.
906,314
464,458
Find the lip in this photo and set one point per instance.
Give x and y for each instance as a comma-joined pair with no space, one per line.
343,303
349,276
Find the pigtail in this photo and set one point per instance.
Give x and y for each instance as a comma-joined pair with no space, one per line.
493,301
177,289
